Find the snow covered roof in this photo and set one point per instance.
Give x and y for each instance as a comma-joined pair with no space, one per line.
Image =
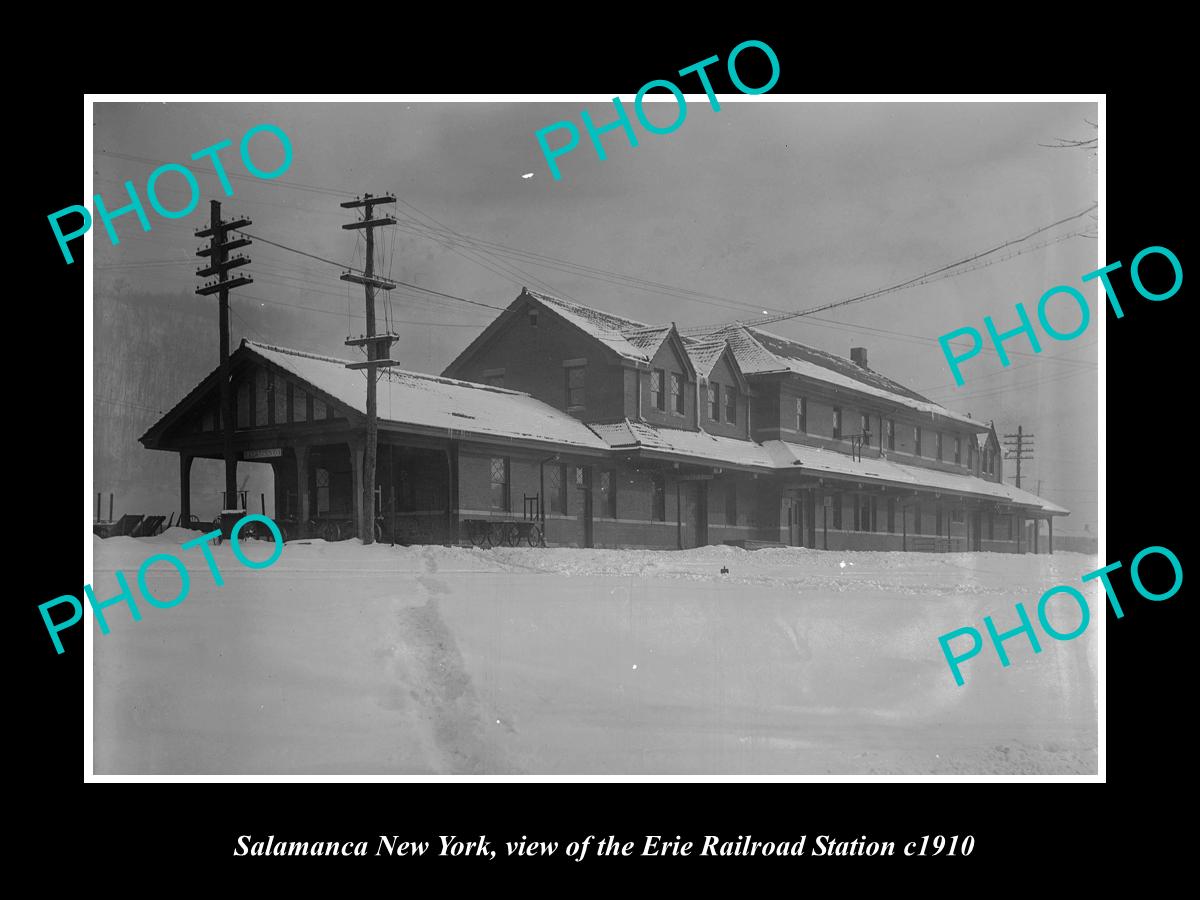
759,352
704,355
700,445
610,330
817,460
648,340
412,398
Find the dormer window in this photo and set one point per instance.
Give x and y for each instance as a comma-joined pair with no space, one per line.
575,370
533,317
677,400
656,389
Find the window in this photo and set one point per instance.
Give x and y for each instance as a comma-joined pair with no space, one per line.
864,428
657,397
957,451
500,483
581,479
991,527
533,317
322,491
658,499
837,424
731,407
837,511
916,518
937,445
262,402
575,376
608,493
891,434
280,391
714,401
891,515
243,405
677,393
864,512
937,527
916,440
802,415
556,490
731,504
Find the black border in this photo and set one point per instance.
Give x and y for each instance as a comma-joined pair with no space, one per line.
1148,426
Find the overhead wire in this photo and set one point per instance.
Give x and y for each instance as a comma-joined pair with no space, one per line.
908,282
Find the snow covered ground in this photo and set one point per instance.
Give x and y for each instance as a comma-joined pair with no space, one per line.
349,659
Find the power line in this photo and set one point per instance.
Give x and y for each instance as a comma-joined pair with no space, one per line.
404,283
461,243
871,294
950,386
1020,386
920,339
330,312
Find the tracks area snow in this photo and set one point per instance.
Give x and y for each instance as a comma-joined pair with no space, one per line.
379,660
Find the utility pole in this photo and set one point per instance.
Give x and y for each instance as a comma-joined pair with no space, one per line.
1017,446
378,347
219,264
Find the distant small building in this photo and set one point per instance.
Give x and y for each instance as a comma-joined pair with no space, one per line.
622,434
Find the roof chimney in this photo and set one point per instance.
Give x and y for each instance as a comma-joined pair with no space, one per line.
858,356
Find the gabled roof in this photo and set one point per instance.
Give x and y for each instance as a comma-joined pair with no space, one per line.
649,339
612,331
634,341
704,355
426,401
211,384
412,398
760,352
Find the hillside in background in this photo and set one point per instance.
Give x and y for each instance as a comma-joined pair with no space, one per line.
149,351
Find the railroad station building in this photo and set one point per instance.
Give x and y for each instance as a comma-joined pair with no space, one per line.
618,433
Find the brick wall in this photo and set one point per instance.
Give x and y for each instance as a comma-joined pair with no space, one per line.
722,375
668,360
531,358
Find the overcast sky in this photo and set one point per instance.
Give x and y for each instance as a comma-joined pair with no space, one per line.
759,207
